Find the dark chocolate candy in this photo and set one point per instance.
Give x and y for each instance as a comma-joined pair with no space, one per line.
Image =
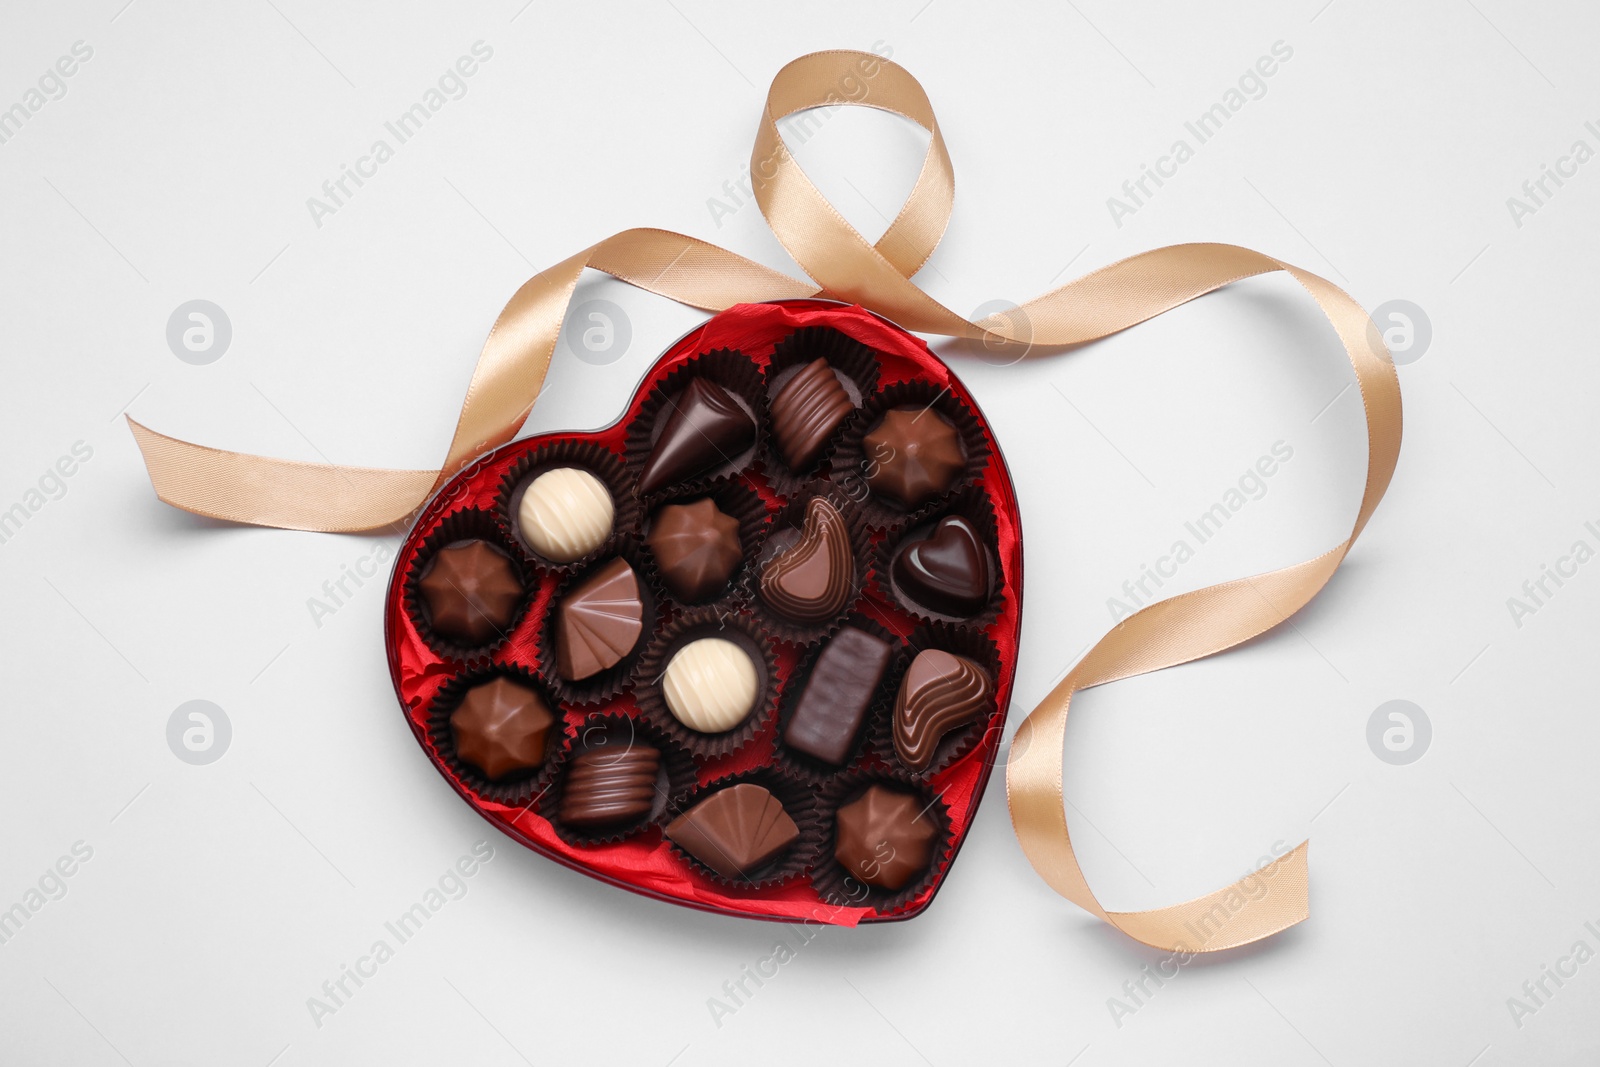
836,696
940,692
735,831
705,429
806,411
885,837
912,456
811,581
600,621
610,786
697,549
501,728
946,572
472,591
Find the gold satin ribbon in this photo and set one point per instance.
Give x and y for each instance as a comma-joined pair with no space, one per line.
517,353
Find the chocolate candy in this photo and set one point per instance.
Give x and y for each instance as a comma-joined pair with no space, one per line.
472,592
610,786
502,728
565,514
885,837
710,685
837,695
735,831
599,621
940,692
705,429
946,572
806,411
912,456
697,549
812,580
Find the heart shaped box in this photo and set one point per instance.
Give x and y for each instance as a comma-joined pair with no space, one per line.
644,861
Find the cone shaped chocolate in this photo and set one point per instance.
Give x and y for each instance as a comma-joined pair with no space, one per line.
600,622
705,429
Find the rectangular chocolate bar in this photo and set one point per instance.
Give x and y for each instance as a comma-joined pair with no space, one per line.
837,695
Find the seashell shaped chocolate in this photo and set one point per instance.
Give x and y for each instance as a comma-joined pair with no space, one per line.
735,831
812,580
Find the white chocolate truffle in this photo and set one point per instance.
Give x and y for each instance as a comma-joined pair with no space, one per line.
710,685
565,514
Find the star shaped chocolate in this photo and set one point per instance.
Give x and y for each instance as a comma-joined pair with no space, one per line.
502,728
472,592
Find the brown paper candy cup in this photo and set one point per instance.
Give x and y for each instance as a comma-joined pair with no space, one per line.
723,366
956,744
735,626
853,466
783,532
972,504
854,365
598,688
599,461
521,789
840,887
600,730
799,802
468,524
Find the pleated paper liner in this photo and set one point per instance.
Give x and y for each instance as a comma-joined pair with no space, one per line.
598,688
723,366
597,460
855,366
799,802
468,524
738,500
522,788
784,532
808,768
972,504
956,744
693,624
620,732
855,463
843,888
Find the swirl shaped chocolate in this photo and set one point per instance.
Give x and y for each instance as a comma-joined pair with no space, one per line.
502,728
705,428
806,411
940,692
472,592
610,786
735,831
599,622
946,572
812,580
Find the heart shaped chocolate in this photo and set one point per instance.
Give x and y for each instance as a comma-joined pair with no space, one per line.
648,789
946,572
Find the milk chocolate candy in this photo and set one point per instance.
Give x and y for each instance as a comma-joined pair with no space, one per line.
806,411
837,695
502,728
885,837
472,592
705,429
697,549
600,621
912,456
735,831
940,692
610,786
812,580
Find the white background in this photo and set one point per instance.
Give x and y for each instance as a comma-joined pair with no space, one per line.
219,898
